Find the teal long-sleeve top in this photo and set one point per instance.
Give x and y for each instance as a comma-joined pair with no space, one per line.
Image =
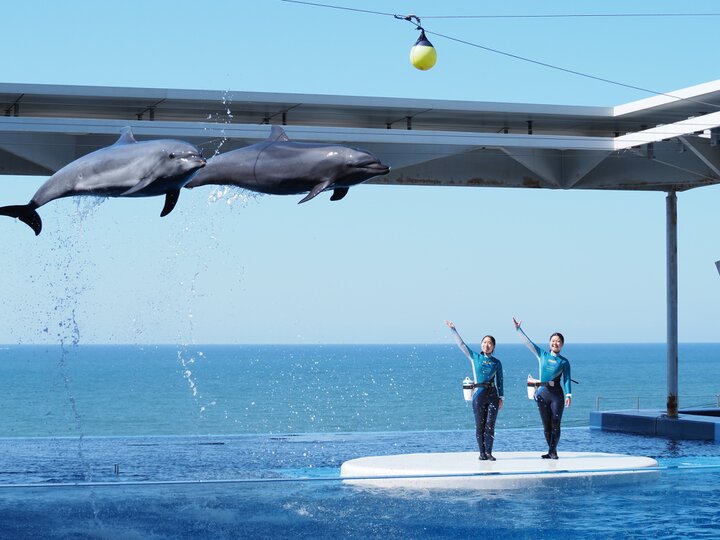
551,365
486,368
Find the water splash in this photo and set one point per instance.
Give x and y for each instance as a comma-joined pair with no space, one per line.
233,196
226,101
66,294
186,358
85,208
225,117
186,340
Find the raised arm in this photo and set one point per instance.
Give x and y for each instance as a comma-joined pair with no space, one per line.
460,343
528,342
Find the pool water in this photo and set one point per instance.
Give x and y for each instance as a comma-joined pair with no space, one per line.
287,486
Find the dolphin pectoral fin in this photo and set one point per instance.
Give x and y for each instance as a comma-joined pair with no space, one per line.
171,199
319,188
142,184
25,213
339,193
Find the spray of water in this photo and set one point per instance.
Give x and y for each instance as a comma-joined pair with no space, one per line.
67,273
191,362
233,196
224,118
185,340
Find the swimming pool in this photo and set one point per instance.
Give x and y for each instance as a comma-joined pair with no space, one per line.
288,487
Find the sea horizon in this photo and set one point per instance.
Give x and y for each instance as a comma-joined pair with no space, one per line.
342,344
161,389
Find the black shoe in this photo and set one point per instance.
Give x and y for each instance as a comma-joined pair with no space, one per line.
546,456
490,457
553,455
483,456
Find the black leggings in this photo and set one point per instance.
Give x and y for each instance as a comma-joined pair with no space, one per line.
551,404
485,406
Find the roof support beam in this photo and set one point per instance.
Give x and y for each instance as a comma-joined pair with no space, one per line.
709,155
547,164
578,165
42,150
672,304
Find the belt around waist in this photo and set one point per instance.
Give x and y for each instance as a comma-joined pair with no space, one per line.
538,384
483,385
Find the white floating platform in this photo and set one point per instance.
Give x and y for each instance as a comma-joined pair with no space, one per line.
512,470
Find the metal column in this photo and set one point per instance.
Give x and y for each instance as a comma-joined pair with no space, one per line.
672,305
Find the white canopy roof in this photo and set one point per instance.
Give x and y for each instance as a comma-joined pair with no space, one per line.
666,142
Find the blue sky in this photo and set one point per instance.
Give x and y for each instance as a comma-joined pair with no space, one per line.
388,263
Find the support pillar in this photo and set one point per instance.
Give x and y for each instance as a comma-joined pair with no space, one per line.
672,304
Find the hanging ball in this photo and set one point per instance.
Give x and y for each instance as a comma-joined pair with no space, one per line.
423,55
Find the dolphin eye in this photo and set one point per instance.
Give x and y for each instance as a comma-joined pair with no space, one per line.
172,155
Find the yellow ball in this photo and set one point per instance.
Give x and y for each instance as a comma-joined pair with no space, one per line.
423,57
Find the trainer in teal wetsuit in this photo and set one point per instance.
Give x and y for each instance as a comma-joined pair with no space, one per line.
549,396
488,395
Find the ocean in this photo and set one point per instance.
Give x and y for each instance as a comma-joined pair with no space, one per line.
247,441
103,390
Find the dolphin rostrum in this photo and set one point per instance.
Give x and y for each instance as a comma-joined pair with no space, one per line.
127,168
278,166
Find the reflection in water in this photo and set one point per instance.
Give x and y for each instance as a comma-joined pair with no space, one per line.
673,448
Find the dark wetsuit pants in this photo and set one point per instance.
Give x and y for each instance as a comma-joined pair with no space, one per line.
551,404
485,406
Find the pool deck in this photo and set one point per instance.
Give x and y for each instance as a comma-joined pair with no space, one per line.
699,424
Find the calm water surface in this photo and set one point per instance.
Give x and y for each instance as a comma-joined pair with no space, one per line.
246,442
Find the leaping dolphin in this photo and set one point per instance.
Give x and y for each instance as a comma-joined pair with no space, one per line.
127,168
278,166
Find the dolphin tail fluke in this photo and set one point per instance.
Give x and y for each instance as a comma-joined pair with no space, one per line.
319,188
25,213
339,193
171,199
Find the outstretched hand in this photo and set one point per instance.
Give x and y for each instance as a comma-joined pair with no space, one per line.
517,323
450,324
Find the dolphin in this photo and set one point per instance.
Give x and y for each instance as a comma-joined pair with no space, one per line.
278,166
127,168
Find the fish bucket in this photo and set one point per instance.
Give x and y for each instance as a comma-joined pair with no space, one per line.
531,387
467,389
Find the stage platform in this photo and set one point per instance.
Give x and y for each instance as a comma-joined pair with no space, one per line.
697,424
512,470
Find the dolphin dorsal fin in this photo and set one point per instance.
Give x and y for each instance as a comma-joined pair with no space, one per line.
278,134
126,136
